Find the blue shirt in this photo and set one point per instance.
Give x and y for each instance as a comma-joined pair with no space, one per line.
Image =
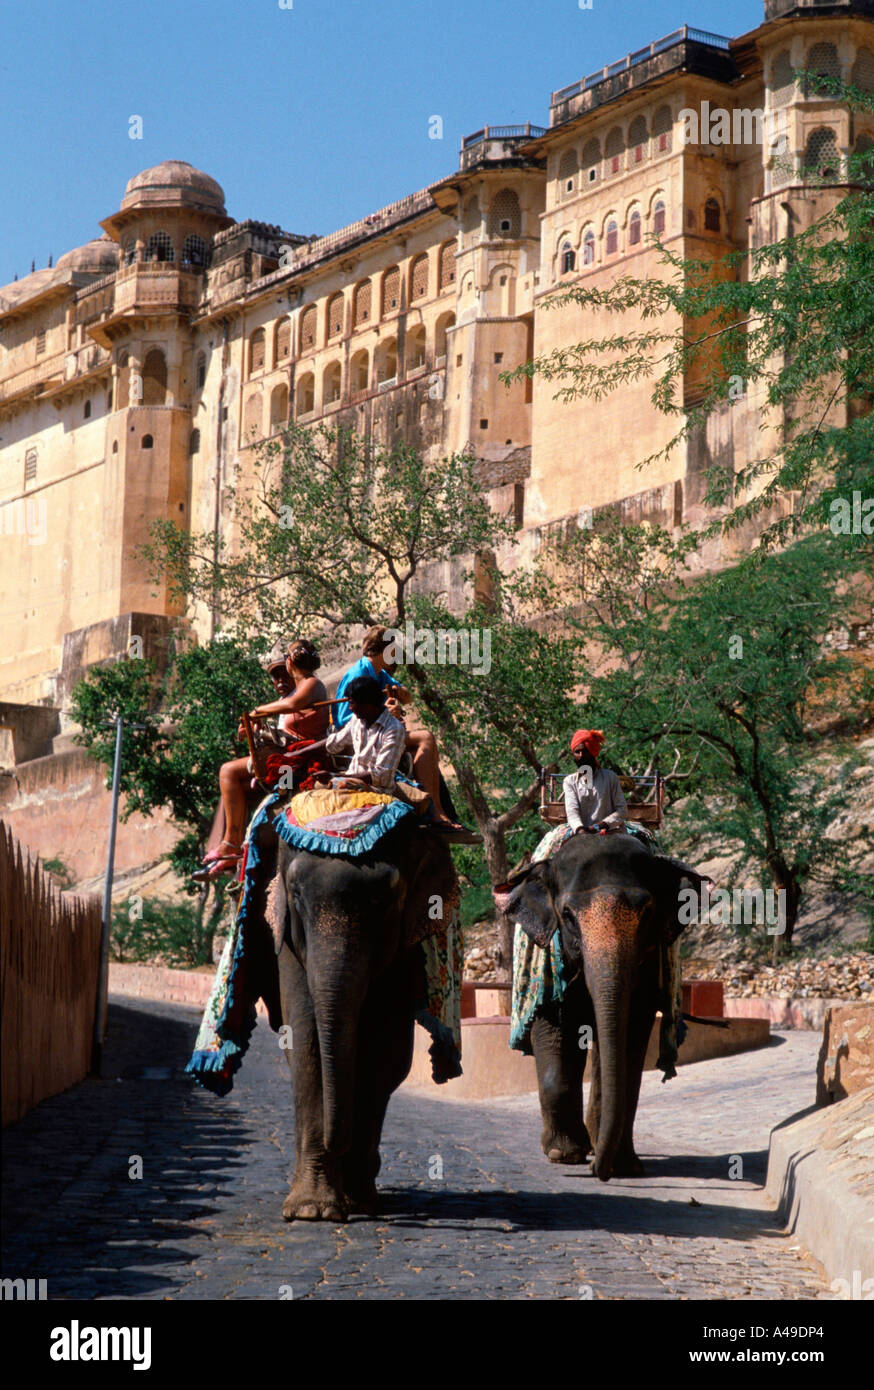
342,713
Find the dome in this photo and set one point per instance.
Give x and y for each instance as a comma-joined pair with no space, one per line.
173,183
101,254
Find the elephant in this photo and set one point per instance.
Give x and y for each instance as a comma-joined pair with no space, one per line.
615,903
348,935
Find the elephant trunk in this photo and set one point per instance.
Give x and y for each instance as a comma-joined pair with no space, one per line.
611,1017
337,1013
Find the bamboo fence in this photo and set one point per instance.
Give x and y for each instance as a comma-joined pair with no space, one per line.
49,962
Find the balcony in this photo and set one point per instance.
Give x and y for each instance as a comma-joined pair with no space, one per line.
161,285
496,144
697,49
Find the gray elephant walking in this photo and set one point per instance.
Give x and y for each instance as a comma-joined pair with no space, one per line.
350,937
615,905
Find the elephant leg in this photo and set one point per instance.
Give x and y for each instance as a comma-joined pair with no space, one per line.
316,1192
560,1065
626,1164
384,1060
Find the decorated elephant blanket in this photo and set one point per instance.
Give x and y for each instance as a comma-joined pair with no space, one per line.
539,977
329,822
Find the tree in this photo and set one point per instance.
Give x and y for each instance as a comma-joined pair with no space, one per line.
725,671
339,532
180,727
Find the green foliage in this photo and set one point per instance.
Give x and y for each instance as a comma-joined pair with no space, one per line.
188,729
58,870
169,933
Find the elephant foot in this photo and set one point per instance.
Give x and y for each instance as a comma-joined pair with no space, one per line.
561,1148
364,1202
628,1166
315,1201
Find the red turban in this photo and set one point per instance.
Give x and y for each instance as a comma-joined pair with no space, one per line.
590,739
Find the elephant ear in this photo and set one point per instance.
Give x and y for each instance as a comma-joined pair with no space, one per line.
527,901
676,871
433,893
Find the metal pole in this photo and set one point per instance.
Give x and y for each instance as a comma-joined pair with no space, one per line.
103,977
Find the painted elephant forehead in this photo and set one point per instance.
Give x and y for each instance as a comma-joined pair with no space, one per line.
608,920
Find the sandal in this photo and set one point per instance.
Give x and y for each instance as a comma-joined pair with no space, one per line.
225,863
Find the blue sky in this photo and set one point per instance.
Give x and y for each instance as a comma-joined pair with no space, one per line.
310,116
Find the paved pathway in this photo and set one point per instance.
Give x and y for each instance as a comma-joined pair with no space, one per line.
472,1209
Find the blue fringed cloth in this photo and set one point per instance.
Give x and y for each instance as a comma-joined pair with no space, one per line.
350,824
539,977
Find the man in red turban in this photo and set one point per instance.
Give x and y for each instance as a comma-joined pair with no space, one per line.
593,796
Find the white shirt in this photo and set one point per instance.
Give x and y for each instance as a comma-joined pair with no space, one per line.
377,748
594,797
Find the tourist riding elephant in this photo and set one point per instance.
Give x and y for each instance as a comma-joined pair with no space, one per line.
615,904
347,933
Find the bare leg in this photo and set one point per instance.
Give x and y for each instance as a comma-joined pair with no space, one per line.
217,834
233,778
426,766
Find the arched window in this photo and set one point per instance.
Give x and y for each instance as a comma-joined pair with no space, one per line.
359,372
662,129
306,394
391,291
282,340
154,378
822,61
589,247
253,419
257,351
194,251
613,150
591,161
634,229
658,218
386,362
278,407
200,370
129,253
505,217
419,277
712,216
159,247
568,258
308,328
147,442
86,410
782,80
444,323
332,381
567,173
638,139
361,304
822,158
335,315
612,238
194,442
447,265
415,349
778,169
862,75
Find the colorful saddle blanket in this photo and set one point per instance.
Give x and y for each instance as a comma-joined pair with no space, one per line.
339,822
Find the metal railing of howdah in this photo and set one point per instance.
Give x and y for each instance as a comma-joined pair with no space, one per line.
684,35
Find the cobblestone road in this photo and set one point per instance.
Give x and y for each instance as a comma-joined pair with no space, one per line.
204,1220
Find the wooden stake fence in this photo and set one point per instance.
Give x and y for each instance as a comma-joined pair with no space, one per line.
49,962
